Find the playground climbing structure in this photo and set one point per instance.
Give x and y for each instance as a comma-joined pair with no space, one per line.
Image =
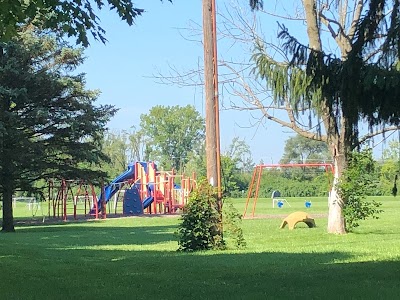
141,188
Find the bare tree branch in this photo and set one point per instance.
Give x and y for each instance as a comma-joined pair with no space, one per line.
356,18
370,135
327,22
343,6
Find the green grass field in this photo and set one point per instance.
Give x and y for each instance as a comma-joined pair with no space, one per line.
136,258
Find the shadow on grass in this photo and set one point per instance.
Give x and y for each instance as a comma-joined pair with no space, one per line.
72,260
113,274
76,234
104,262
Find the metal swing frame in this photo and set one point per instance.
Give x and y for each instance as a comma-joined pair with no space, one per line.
256,179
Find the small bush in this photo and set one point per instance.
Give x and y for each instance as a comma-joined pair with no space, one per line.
232,221
358,181
201,226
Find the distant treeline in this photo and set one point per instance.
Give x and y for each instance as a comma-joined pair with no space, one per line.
309,183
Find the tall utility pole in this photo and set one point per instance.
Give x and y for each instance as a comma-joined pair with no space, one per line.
211,94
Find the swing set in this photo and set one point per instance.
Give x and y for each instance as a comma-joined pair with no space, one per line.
63,201
257,174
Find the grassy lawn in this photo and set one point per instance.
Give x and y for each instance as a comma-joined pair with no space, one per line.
135,258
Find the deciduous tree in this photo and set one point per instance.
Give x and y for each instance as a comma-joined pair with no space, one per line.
78,18
239,151
122,148
299,149
172,133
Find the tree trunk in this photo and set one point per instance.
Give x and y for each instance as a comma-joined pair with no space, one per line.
8,219
336,221
6,173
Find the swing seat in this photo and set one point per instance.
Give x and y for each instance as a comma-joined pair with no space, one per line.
296,217
276,198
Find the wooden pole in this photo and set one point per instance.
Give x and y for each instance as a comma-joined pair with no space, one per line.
212,105
211,138
216,101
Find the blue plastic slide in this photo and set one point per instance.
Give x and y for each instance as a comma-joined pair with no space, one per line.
149,200
115,185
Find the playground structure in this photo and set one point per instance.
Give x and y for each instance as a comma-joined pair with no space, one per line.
61,198
162,191
256,180
141,188
276,198
297,217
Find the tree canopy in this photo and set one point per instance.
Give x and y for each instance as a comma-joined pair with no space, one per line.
299,149
122,148
76,18
239,151
236,167
49,125
172,133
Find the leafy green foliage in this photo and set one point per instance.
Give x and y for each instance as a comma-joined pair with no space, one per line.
233,180
318,184
116,145
172,134
200,228
299,149
72,18
228,172
197,163
240,153
122,148
236,164
389,169
357,181
287,82
232,221
49,125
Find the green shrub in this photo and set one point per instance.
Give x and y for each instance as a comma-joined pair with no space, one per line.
358,181
316,185
201,226
232,221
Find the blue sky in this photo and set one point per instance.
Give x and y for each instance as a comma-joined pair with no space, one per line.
123,68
